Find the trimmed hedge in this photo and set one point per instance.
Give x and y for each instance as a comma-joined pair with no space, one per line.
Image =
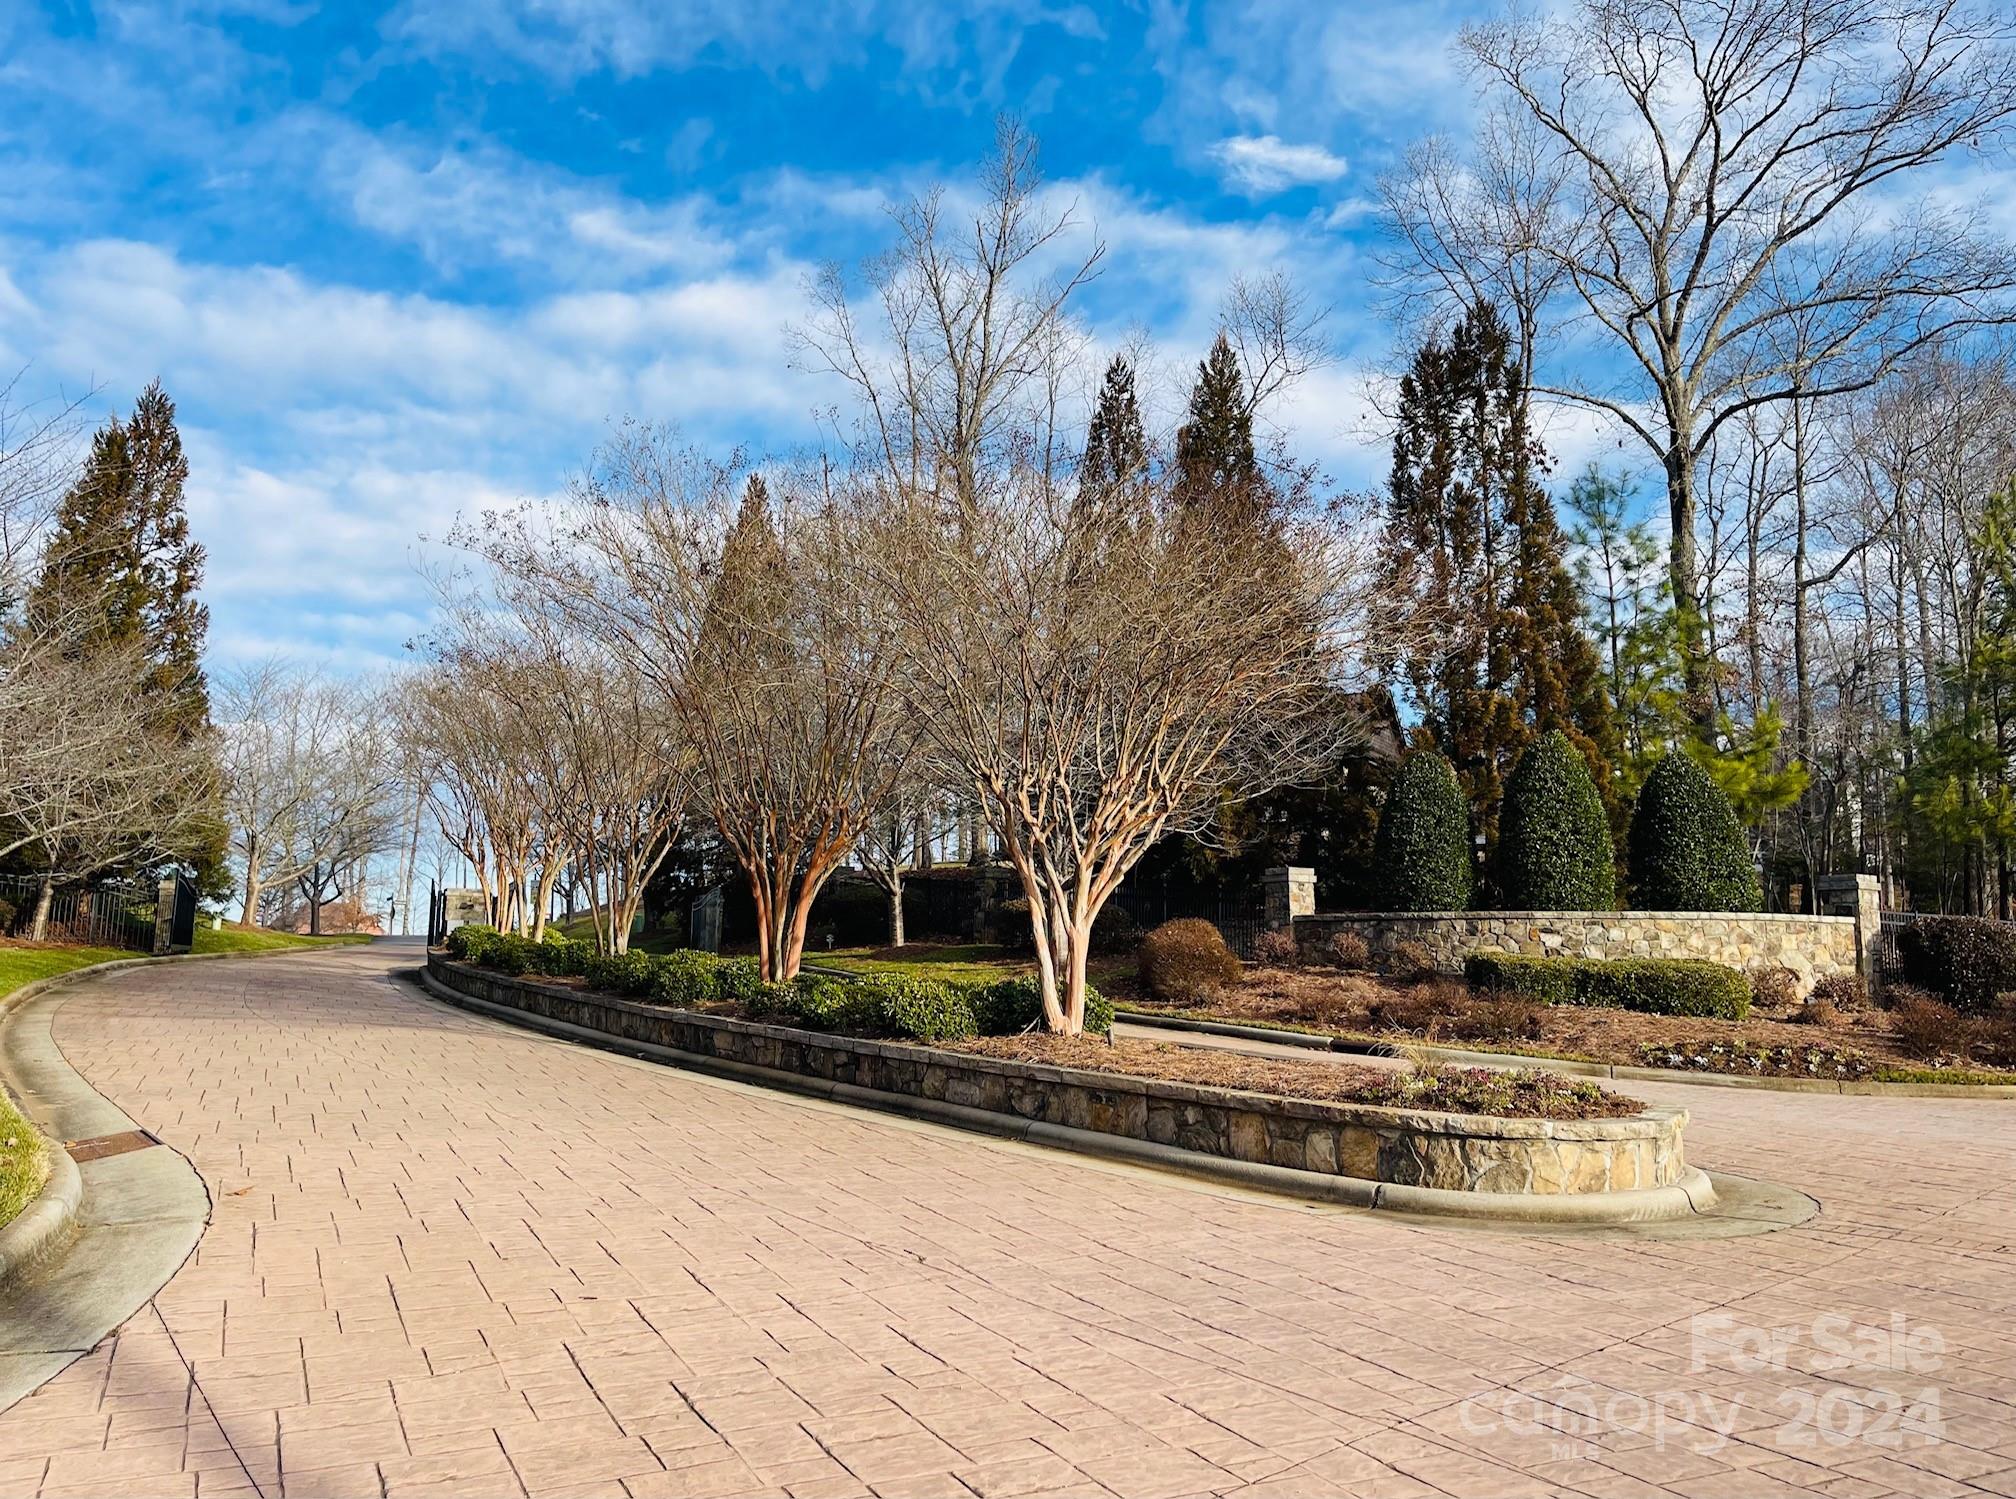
1970,961
901,1006
1652,986
1421,853
1686,850
1554,850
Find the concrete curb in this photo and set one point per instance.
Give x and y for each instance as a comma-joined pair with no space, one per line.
1694,1194
101,1239
42,1230
1457,1056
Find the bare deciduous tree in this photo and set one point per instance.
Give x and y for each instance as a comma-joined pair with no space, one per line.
1699,150
1100,670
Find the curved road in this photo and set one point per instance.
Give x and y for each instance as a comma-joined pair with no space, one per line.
452,1257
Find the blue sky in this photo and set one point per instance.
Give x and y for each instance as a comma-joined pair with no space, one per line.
396,263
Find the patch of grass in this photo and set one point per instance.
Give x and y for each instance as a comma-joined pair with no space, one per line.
259,939
24,1161
955,962
24,963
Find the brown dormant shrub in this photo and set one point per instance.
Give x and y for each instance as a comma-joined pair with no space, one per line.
1492,1017
1926,1028
1817,1011
1347,950
1277,949
1182,962
1418,1010
1774,988
1844,991
1409,961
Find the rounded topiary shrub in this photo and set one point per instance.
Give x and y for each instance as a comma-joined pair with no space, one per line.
1421,854
1686,850
1554,849
1184,961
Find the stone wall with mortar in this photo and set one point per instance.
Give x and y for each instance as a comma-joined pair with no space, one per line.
1404,1147
1812,947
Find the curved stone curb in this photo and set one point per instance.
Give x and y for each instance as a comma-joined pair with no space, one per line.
128,1222
42,1230
1693,1194
1620,1072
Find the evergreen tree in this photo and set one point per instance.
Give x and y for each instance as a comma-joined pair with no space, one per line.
1496,652
1687,851
1554,849
1116,448
1215,462
1421,857
121,569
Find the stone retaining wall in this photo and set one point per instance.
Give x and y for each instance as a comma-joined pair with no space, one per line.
1404,1147
1812,947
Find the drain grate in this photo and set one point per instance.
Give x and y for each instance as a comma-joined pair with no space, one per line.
99,1146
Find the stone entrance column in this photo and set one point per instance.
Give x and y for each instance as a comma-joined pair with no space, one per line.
1290,892
1859,896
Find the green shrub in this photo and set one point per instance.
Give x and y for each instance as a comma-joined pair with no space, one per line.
630,973
1421,853
825,1004
467,942
1186,960
737,980
1009,1007
916,1009
685,978
563,957
1969,961
510,953
1554,850
1653,986
773,1002
1686,849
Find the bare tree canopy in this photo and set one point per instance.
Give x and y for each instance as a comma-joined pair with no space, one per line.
1687,176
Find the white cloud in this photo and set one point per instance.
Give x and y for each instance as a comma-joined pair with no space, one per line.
1261,164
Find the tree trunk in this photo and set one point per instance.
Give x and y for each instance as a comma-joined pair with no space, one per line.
44,898
1697,670
895,889
252,888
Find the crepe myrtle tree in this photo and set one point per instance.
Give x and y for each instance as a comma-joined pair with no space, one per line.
1101,669
740,605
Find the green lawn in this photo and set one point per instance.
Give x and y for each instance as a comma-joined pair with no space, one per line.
970,962
258,939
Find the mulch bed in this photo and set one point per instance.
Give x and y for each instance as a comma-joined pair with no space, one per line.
1444,1011
1456,1090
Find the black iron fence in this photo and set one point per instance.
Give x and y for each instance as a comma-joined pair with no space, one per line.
1239,915
110,913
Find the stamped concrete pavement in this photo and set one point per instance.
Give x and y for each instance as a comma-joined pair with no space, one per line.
451,1257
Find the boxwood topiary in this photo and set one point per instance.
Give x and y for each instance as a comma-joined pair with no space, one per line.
468,942
1421,853
1686,850
1554,850
1652,986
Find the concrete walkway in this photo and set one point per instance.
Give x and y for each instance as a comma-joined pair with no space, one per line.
451,1257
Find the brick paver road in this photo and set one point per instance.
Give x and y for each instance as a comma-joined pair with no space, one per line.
449,1257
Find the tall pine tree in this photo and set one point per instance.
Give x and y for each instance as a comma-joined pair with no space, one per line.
1216,466
1116,448
121,569
1496,655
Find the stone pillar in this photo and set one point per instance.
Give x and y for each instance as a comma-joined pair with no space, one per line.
1859,896
1290,892
164,915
